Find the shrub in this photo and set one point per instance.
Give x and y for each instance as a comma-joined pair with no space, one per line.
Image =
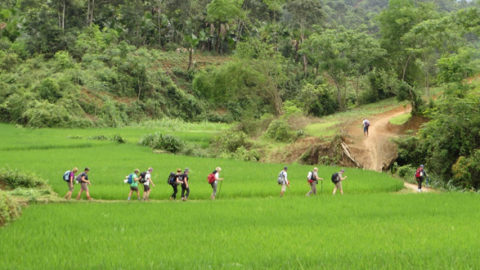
167,142
406,172
230,141
466,171
280,131
15,178
118,139
9,208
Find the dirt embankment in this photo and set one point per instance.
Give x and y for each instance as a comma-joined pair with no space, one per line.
376,151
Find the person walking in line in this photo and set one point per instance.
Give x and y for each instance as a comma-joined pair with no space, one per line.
71,178
146,184
420,175
84,183
366,125
213,180
312,179
185,186
175,184
133,180
283,181
337,179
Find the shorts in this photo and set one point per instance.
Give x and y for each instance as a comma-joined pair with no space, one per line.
146,188
84,186
70,187
338,185
284,187
133,188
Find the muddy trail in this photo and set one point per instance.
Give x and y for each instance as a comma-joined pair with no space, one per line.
375,151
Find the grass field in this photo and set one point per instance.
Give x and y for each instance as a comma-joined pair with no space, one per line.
249,227
111,162
379,231
401,119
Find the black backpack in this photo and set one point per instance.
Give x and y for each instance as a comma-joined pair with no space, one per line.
335,178
171,178
142,177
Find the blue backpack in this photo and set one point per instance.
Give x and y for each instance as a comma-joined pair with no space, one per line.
130,178
66,176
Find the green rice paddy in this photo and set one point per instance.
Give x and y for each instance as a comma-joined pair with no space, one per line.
248,227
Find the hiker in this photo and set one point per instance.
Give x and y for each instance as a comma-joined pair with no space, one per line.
312,179
366,125
133,180
175,184
82,179
420,175
147,178
213,179
70,178
183,178
337,179
283,180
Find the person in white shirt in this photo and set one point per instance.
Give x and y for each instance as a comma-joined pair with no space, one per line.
312,179
146,184
366,125
214,185
283,181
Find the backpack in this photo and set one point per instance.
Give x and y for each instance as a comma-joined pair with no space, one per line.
171,178
311,177
419,172
130,179
367,123
142,177
335,177
281,178
66,176
211,178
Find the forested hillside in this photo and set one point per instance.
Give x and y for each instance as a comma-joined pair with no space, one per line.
83,63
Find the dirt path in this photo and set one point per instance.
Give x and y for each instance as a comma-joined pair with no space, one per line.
376,150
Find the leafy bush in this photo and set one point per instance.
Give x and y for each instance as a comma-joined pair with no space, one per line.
118,139
15,178
167,142
407,172
230,141
317,100
9,208
280,131
466,171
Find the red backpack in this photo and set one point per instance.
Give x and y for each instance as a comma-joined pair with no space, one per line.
417,174
211,178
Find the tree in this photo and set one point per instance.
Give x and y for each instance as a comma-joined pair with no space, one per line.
396,21
302,15
342,53
222,13
429,40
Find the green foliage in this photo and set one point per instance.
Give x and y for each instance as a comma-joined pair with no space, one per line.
317,100
9,208
466,171
246,88
455,67
230,141
280,131
165,142
14,179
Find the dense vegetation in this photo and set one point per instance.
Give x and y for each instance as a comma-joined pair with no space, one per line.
70,63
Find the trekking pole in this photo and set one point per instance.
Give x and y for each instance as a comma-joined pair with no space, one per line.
321,188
